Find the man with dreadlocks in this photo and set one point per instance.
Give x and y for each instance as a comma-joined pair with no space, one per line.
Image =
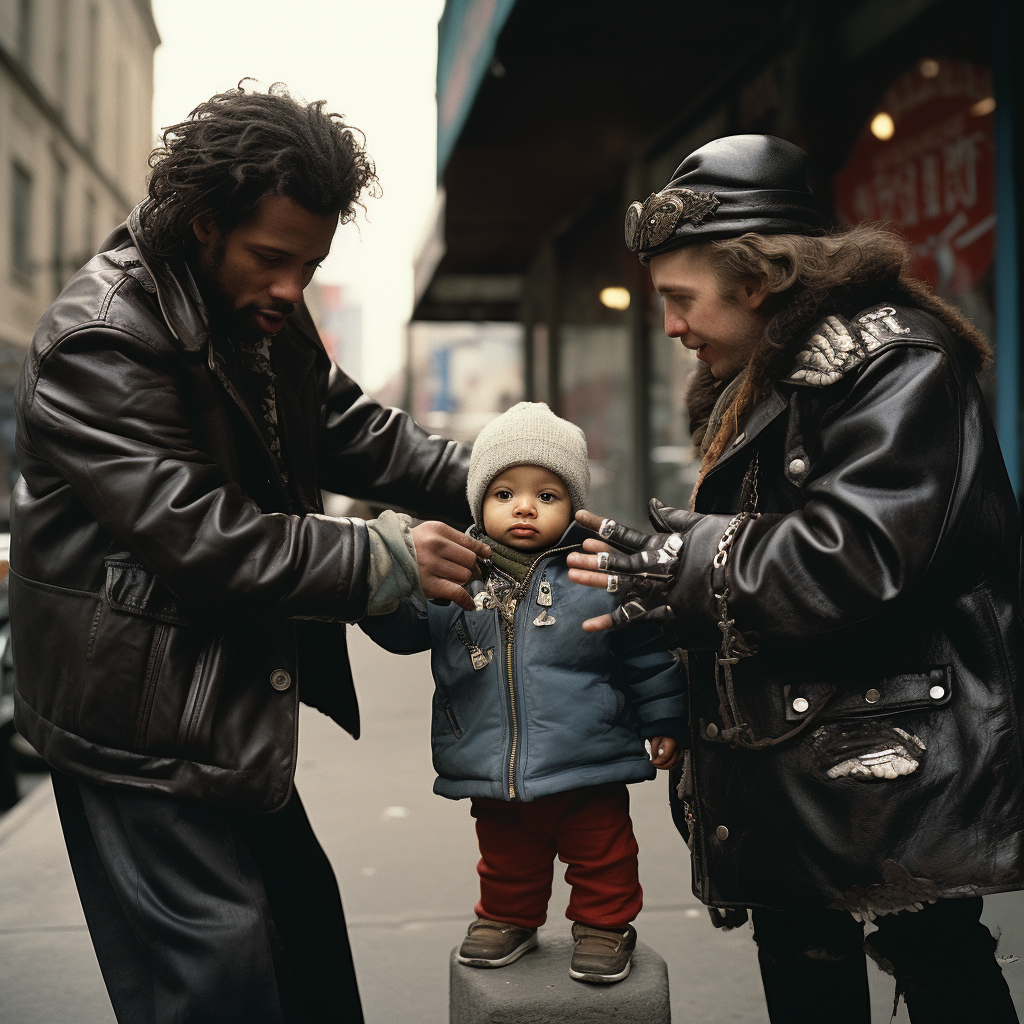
175,588
845,588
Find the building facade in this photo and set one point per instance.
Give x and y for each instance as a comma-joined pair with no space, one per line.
565,114
76,98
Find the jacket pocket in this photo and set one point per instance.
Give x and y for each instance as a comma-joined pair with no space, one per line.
132,588
453,721
888,696
197,717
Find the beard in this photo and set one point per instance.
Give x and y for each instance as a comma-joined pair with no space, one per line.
238,322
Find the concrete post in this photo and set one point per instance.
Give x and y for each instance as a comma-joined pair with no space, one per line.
537,989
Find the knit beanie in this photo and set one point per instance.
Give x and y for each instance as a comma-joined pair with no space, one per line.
529,434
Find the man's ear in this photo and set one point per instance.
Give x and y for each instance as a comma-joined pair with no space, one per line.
204,227
753,291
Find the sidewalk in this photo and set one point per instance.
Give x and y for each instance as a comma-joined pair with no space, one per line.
405,860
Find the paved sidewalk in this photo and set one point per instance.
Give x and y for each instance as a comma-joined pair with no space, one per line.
405,860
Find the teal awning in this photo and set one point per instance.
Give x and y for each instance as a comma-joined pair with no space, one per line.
467,34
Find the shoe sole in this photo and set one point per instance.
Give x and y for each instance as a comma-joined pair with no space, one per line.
600,979
524,947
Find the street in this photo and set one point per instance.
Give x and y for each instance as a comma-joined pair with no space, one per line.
405,862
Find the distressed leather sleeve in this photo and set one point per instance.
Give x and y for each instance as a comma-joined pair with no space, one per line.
887,469
381,454
107,413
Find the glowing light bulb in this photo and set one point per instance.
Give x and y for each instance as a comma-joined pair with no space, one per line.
983,107
883,127
615,298
929,68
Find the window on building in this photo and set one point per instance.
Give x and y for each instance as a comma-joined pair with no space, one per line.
60,189
62,28
92,119
89,240
21,220
25,13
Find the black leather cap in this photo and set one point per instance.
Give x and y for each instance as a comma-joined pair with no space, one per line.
724,189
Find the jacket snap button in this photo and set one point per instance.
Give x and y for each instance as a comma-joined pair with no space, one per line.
280,679
872,696
722,832
936,693
801,705
797,466
712,730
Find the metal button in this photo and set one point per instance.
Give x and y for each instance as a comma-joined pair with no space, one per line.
800,704
722,832
712,730
937,693
280,679
797,466
872,696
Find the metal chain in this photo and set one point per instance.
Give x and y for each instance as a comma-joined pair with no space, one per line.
734,645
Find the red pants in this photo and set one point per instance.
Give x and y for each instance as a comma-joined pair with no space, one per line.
590,831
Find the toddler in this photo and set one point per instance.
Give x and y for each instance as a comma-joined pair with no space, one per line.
540,724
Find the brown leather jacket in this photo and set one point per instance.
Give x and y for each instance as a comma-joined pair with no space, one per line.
172,595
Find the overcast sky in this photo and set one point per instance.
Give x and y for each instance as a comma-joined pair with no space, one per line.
374,62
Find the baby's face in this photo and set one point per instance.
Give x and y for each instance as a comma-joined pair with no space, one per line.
527,508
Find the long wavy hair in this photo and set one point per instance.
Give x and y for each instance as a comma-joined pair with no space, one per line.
239,147
807,279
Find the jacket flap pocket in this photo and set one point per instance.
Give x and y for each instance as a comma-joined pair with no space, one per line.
133,588
887,696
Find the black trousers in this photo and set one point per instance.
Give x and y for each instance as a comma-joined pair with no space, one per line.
204,916
814,969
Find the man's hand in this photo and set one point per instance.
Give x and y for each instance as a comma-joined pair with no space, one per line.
446,561
641,565
664,751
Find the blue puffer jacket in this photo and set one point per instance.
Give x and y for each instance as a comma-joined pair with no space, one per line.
534,710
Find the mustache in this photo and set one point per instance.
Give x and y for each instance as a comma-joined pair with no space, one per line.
284,308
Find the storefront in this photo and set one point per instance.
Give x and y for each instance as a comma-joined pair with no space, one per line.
909,113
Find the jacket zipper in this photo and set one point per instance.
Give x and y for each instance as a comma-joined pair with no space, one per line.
510,662
477,655
452,720
510,642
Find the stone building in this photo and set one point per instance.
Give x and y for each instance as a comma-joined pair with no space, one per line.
76,97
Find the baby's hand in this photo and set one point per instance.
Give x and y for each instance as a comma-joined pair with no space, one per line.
664,751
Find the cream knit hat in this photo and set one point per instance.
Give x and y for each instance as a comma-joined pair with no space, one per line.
529,434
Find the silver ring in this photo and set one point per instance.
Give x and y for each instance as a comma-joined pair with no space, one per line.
607,525
613,585
602,560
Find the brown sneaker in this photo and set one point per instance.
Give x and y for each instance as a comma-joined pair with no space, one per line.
495,943
602,955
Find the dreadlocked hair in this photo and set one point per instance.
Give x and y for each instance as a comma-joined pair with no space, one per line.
239,147
807,279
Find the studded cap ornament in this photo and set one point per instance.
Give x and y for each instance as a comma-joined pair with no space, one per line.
732,185
650,223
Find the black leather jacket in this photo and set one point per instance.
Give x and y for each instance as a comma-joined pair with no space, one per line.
880,583
172,596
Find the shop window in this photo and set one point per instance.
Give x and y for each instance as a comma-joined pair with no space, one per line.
674,463
463,374
925,162
595,394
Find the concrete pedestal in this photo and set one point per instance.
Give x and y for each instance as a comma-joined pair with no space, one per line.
537,989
